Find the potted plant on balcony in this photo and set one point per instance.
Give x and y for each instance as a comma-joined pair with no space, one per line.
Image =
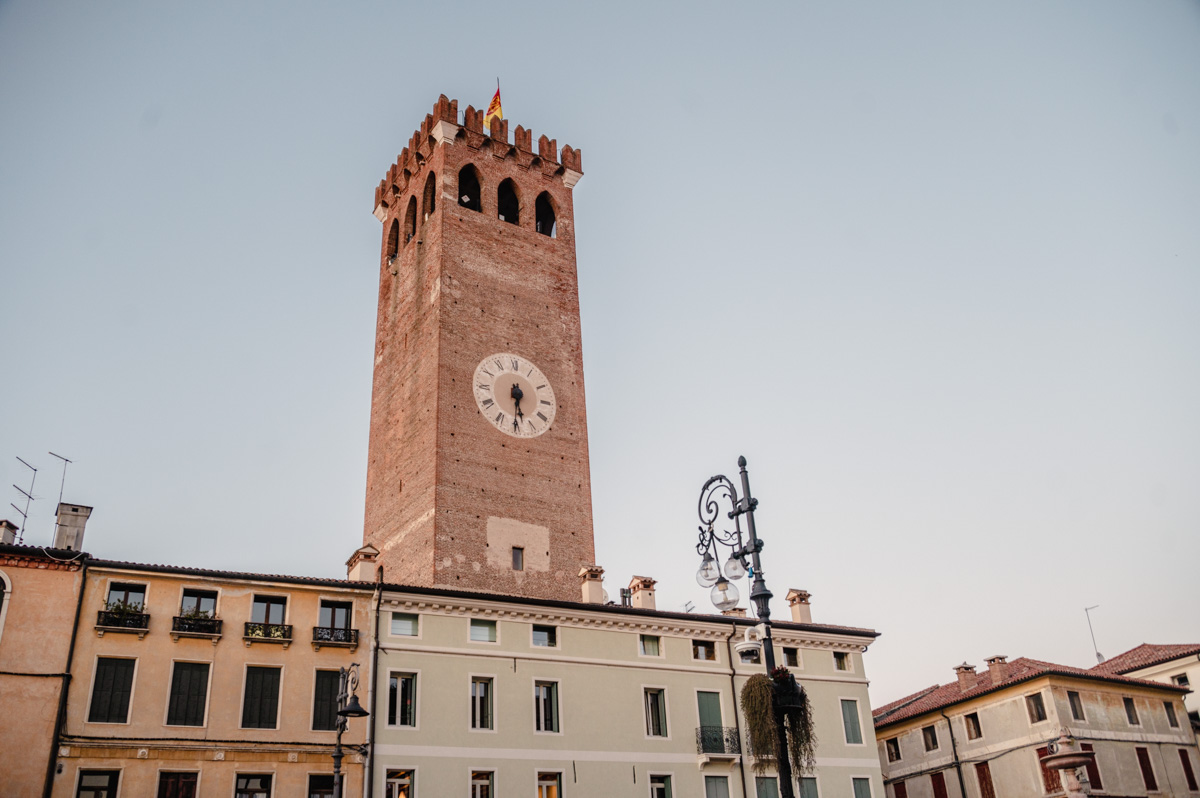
123,613
194,619
762,697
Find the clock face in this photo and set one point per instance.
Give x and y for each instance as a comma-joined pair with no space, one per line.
514,396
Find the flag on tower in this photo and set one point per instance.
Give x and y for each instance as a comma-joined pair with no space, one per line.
494,110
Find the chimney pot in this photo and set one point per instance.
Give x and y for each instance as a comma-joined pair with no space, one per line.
966,676
68,531
8,532
591,578
736,612
998,668
798,600
641,589
363,565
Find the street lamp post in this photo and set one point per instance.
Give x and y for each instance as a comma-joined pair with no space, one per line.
348,707
724,593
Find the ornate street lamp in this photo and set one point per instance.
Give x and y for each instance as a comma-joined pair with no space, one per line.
1066,756
724,593
348,707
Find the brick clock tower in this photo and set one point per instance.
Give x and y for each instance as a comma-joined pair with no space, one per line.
477,474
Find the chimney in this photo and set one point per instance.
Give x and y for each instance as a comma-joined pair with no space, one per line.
68,532
966,676
591,579
801,609
736,612
997,668
642,590
8,532
363,565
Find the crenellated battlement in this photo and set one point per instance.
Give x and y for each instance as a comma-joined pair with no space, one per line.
444,126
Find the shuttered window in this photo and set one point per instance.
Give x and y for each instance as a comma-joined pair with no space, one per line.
983,772
1051,782
900,789
808,787
862,788
938,781
1093,770
260,706
189,693
111,690
325,693
1188,773
850,722
1143,755
177,785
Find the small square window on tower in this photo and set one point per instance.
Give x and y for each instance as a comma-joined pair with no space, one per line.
518,558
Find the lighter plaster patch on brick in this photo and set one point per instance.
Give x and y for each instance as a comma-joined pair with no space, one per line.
504,533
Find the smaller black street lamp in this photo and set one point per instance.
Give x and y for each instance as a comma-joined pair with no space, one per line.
724,592
348,707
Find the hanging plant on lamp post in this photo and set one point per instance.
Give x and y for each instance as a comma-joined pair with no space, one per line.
776,706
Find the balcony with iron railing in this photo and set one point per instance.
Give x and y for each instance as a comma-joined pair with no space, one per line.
715,743
201,626
122,620
268,633
334,636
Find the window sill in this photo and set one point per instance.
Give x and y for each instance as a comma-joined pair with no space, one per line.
214,637
100,630
285,642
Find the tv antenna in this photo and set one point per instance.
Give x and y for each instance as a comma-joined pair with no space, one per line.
28,498
61,485
1088,612
688,606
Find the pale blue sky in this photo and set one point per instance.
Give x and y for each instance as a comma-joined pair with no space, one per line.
933,268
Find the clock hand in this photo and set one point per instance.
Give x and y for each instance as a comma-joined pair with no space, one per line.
517,395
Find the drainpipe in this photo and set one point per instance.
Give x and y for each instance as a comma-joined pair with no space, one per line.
962,787
60,718
369,770
736,721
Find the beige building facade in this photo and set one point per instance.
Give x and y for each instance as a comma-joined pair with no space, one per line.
202,683
982,735
1172,663
481,695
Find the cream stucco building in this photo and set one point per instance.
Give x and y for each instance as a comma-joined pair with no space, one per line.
1175,663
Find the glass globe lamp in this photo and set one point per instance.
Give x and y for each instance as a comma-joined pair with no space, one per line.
708,573
724,595
734,568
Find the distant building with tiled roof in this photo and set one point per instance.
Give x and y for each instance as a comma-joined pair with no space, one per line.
982,735
1172,663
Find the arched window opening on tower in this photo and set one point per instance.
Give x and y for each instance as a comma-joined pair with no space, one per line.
393,240
410,220
545,216
468,188
508,208
428,202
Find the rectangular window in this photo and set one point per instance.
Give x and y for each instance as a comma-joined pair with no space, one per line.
766,787
177,785
1131,714
336,614
268,609
808,787
518,558
549,785
929,734
1051,782
974,730
127,596
481,702
189,694
405,624
850,722
402,699
260,705
545,636
257,785
320,785
983,772
938,782
862,788
325,700
399,784
841,661
1169,706
901,789
1188,772
660,787
483,631
1181,680
482,783
199,604
704,649
1036,708
716,787
656,712
893,749
1143,757
648,645
111,690
98,783
791,657
1093,770
545,706
1076,705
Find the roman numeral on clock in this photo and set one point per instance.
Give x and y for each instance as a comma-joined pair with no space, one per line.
487,404
539,415
499,418
483,386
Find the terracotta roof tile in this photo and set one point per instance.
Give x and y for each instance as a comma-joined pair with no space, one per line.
1145,655
1020,670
